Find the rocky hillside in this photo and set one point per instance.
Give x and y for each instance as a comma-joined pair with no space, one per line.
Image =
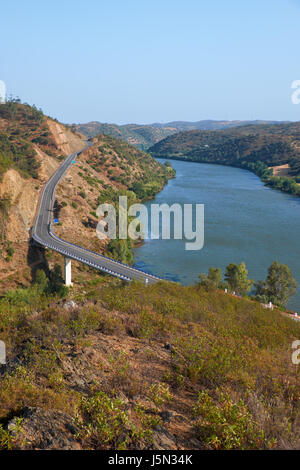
31,148
117,366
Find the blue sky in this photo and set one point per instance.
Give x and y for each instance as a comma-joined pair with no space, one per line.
153,61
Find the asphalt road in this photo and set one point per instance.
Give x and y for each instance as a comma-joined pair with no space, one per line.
42,234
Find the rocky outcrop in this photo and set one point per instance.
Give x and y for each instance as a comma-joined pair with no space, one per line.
41,429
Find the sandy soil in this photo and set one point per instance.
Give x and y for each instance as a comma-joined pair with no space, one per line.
281,170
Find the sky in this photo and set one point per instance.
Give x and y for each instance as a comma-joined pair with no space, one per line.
145,61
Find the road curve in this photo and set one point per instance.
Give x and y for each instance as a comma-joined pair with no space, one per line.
42,234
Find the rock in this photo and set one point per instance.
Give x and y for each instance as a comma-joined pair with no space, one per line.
44,429
69,305
163,440
166,416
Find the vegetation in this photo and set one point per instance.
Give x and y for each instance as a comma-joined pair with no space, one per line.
102,363
144,136
141,136
227,424
236,277
23,125
135,174
53,284
212,280
131,168
279,286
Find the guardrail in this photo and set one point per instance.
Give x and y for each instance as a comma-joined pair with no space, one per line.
66,253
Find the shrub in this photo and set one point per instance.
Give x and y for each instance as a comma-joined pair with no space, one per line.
227,424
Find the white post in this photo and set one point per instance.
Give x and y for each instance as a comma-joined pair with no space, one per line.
68,272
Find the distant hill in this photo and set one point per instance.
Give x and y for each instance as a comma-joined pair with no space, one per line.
140,136
144,136
207,124
272,144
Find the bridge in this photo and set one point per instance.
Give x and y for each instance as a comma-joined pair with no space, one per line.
42,234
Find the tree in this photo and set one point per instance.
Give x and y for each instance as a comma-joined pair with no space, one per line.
261,291
57,282
236,276
121,250
41,280
279,286
212,280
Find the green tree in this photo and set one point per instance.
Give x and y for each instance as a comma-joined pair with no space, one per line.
56,285
236,277
279,286
121,250
212,280
41,280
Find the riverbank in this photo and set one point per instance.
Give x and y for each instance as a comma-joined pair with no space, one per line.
279,180
244,221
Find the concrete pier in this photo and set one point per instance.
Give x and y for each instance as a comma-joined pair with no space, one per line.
68,272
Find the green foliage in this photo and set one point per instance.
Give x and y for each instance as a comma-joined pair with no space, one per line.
212,280
227,424
108,425
25,125
9,437
56,282
41,280
121,250
160,394
236,277
74,205
229,348
20,156
279,286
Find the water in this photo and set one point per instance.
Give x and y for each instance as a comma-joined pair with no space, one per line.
244,221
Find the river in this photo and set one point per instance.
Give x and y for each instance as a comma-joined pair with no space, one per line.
244,221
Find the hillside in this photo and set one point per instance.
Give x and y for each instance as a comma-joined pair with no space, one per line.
109,365
140,136
31,148
255,147
132,367
144,136
208,124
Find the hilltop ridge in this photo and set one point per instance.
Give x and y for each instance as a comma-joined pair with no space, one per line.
144,136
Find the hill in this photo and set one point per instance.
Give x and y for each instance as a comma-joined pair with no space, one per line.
31,148
255,147
144,136
116,366
109,365
208,124
140,136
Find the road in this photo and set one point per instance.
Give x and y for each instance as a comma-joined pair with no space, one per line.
42,233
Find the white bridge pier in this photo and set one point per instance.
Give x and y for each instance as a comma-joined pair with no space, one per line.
68,271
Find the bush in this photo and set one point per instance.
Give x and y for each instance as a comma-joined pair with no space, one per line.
227,424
